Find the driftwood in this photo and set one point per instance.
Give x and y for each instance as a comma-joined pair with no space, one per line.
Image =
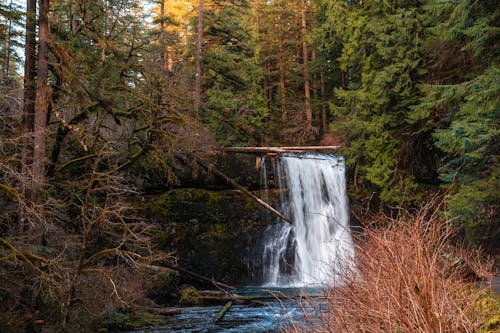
280,150
217,297
157,311
223,312
211,168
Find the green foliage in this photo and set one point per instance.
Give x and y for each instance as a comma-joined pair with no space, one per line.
234,108
382,55
468,134
420,105
488,307
10,45
471,144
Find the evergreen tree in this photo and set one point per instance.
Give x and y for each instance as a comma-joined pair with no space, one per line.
10,35
234,107
466,93
382,56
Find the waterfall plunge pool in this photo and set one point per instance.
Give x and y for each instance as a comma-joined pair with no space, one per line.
310,251
271,316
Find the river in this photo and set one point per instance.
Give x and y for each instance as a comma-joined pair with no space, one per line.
271,316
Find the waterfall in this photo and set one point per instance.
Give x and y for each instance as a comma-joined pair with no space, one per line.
318,243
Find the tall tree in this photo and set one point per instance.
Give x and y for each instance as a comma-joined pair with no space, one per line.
199,47
305,61
29,95
7,22
42,99
163,45
235,106
462,89
383,56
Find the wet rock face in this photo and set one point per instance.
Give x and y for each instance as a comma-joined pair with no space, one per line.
212,232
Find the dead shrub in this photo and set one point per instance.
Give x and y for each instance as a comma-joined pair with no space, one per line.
408,277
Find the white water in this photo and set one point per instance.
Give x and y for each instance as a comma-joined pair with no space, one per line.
317,245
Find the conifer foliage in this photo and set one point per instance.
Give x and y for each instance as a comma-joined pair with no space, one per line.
100,101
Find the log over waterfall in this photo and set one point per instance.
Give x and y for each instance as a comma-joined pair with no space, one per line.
281,150
211,168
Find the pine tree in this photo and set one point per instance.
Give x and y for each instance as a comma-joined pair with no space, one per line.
234,108
465,89
382,58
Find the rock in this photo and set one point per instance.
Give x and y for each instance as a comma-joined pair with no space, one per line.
211,232
190,297
162,284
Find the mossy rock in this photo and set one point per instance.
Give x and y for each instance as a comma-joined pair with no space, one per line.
489,307
190,297
212,232
124,321
162,285
187,204
492,325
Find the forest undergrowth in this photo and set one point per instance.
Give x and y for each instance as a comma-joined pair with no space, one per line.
410,275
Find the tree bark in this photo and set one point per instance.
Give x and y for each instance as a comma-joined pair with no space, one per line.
280,150
163,55
282,86
223,312
199,46
8,51
324,106
42,91
199,277
307,83
29,95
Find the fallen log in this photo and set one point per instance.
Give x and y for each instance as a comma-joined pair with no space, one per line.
280,150
199,277
156,311
210,297
223,312
211,168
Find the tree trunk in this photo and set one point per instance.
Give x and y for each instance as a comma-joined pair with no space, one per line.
163,48
270,89
314,88
8,50
282,75
197,85
42,91
307,84
324,107
265,85
29,95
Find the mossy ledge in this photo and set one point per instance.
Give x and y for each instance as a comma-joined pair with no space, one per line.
212,231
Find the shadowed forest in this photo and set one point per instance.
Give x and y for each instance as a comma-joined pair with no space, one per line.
113,119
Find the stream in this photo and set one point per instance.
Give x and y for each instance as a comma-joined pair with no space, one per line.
311,250
272,316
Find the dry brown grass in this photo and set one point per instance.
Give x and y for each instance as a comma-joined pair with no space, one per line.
409,277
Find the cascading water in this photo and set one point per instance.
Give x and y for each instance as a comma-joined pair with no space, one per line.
318,243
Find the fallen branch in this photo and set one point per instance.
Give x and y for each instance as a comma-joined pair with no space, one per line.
214,297
223,312
219,173
201,277
156,311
